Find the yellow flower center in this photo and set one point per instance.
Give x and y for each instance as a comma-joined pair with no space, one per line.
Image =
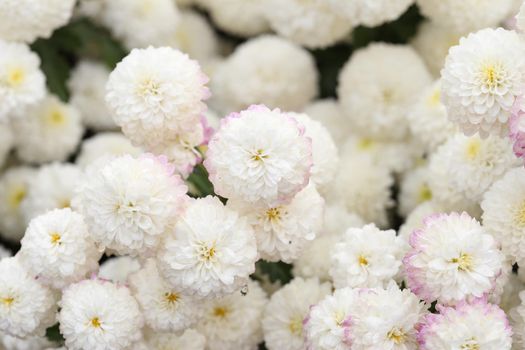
388,96
95,322
363,261
206,253
365,144
148,87
56,117
397,336
464,262
55,238
64,203
259,155
425,194
171,298
520,216
435,98
7,301
16,197
491,75
220,312
15,76
473,148
296,325
471,344
274,214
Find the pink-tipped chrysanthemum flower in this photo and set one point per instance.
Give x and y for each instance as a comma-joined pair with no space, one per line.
474,325
517,128
259,155
452,259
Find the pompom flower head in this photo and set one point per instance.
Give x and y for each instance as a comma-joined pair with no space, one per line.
259,155
234,321
156,95
452,258
26,307
165,309
57,248
129,202
210,252
481,80
99,315
23,84
366,257
283,231
504,213
475,325
288,307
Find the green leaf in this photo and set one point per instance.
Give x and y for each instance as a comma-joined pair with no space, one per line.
200,179
55,67
276,271
53,334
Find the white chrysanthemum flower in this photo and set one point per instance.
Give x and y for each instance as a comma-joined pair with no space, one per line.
156,95
105,144
128,203
376,87
189,340
23,84
328,325
141,23
268,70
504,213
14,186
452,258
312,23
464,167
53,186
366,258
395,330
283,231
27,20
414,190
324,151
467,15
329,113
374,13
259,155
210,252
244,18
87,86
288,307
57,248
234,321
397,157
165,309
26,307
7,137
364,188
432,42
314,261
195,36
428,119
118,269
4,252
99,315
481,80
52,131
90,8
477,325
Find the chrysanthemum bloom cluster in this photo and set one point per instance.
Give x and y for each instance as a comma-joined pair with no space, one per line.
274,219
